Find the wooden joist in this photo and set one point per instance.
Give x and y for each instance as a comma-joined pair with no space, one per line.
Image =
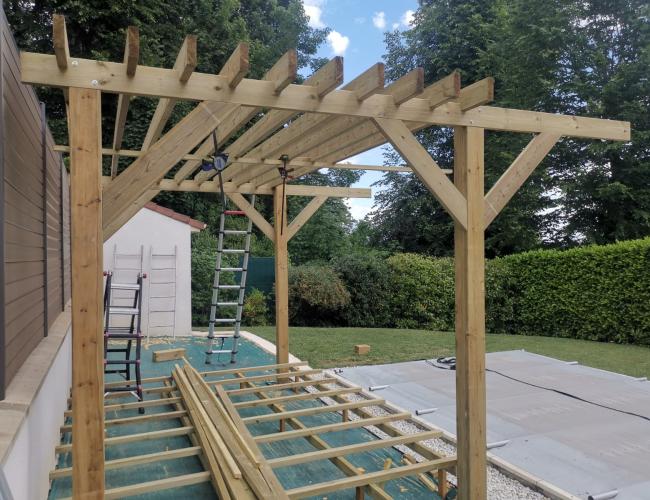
277,387
297,397
260,378
337,427
377,444
258,419
135,404
152,417
130,438
121,463
369,478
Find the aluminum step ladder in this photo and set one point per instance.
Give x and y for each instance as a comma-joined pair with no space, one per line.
228,299
125,335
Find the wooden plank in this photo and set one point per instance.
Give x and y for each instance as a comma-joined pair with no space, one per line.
281,289
340,462
292,189
129,438
134,404
407,86
131,57
444,90
377,444
186,61
470,317
257,218
170,415
296,397
276,387
60,41
283,72
514,177
121,463
157,485
236,66
168,354
312,411
305,214
324,429
87,304
477,94
425,167
369,478
41,69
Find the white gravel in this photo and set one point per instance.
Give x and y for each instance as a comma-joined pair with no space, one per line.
500,486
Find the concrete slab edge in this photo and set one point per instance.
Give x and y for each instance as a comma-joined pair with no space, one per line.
524,477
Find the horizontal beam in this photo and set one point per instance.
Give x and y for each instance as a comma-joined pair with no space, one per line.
278,387
370,478
258,419
292,189
296,397
130,438
324,429
42,69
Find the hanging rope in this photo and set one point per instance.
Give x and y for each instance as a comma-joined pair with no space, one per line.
284,174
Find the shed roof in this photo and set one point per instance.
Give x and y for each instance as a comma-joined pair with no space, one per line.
168,212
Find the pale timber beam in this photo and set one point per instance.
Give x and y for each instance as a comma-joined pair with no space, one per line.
257,218
42,69
469,261
281,275
292,189
327,128
516,174
131,57
180,140
305,214
282,72
87,303
425,168
60,42
186,62
365,135
237,65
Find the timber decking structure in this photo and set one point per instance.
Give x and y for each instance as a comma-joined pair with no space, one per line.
207,406
324,125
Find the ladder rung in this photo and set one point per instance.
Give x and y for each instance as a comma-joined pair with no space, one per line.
233,250
227,303
234,212
222,336
235,231
231,269
225,320
130,311
220,351
228,287
125,286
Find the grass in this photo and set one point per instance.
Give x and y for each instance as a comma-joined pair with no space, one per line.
328,347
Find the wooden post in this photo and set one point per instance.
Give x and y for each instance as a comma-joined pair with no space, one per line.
470,317
281,276
87,305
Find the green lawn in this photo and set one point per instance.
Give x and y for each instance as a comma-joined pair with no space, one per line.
327,347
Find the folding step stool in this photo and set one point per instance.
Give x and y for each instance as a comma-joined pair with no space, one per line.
219,303
129,333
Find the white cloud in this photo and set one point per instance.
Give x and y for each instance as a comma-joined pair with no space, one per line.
359,207
339,43
408,18
314,10
379,20
395,26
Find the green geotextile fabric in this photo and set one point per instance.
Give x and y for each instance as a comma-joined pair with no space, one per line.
290,477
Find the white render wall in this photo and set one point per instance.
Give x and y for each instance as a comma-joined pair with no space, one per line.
153,231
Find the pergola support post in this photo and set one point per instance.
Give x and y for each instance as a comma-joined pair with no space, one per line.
470,316
281,275
87,303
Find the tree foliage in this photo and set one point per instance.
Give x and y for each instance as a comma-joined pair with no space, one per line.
576,57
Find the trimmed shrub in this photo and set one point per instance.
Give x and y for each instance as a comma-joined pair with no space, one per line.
367,278
256,309
316,295
595,292
422,292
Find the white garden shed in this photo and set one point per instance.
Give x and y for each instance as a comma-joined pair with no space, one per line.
157,242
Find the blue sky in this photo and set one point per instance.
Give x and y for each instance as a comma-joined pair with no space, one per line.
357,34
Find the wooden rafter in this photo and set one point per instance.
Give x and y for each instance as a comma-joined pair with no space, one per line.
131,57
186,61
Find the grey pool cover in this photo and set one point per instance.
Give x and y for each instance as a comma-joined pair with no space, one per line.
577,445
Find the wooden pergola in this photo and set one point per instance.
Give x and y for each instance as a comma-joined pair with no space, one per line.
316,125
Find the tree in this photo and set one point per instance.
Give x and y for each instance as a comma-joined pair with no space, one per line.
551,55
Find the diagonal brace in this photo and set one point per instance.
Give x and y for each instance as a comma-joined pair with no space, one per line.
516,174
304,215
253,214
402,139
